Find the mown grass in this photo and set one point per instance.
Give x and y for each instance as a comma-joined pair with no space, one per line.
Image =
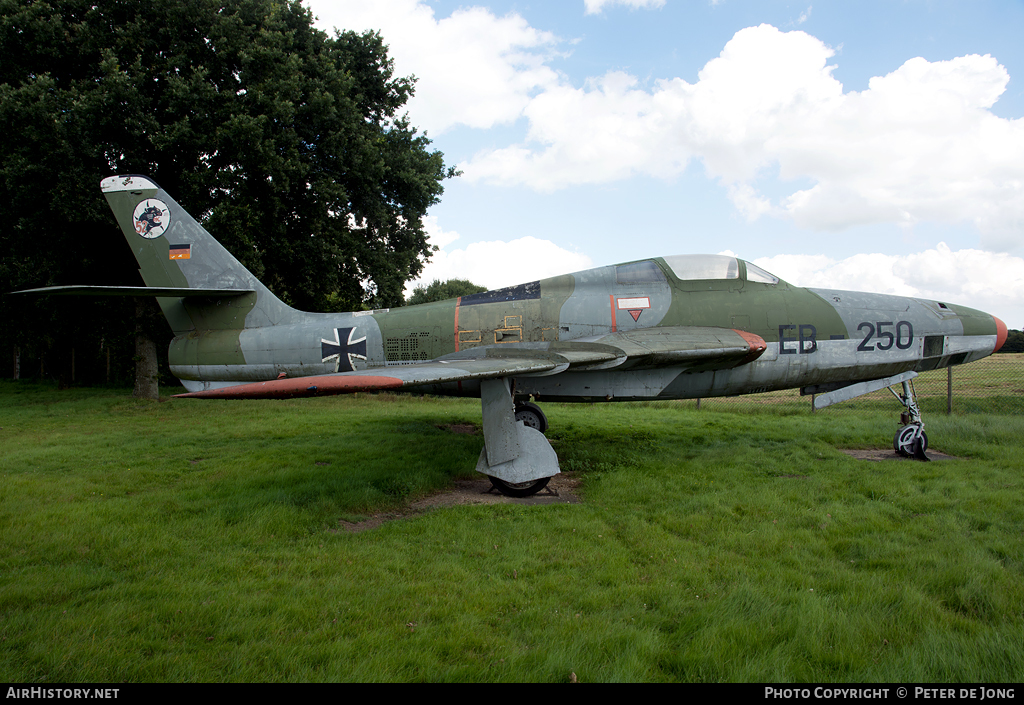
194,540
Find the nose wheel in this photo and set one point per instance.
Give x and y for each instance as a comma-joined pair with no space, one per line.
910,440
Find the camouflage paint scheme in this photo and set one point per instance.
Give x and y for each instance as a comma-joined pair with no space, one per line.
812,336
664,328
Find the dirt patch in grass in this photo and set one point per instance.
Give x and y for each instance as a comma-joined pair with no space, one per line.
562,489
464,428
877,454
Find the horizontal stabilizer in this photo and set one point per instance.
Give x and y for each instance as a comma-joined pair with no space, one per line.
133,291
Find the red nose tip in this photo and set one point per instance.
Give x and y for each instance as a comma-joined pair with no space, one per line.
1000,333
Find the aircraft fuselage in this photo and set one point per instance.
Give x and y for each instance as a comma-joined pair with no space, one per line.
814,336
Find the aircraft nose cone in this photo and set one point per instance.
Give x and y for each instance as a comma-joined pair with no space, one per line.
1000,333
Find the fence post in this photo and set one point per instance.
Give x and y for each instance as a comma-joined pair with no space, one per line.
949,390
17,363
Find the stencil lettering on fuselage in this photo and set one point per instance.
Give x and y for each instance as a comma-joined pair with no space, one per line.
804,342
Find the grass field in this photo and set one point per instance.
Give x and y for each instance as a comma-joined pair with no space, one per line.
192,540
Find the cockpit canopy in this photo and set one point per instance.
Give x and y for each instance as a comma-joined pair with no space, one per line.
690,267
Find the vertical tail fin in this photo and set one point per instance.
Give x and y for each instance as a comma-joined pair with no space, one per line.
173,250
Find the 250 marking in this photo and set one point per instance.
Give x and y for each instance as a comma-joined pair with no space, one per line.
885,337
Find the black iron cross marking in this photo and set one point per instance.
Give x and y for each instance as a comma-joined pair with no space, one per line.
343,354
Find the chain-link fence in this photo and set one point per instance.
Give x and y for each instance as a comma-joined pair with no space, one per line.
994,384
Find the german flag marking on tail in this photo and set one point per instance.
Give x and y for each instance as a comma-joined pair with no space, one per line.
181,252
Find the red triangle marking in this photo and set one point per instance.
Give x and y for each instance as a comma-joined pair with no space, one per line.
635,313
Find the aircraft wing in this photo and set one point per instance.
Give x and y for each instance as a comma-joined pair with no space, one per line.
374,379
683,346
663,346
140,291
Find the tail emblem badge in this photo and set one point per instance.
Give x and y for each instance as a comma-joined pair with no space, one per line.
151,218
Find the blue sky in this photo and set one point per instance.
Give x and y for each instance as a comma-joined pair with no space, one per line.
874,146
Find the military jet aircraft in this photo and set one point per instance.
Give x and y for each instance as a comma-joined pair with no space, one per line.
678,327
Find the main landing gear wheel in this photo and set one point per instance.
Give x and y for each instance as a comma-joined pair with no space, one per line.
531,416
519,489
907,442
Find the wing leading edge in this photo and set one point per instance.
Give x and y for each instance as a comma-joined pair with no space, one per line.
139,291
679,346
374,379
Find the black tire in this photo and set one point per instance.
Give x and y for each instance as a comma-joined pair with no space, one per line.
519,489
531,416
903,442
921,447
897,446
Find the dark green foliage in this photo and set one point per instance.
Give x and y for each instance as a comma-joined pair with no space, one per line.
441,291
288,144
1014,342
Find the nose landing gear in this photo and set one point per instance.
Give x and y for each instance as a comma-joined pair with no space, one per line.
911,439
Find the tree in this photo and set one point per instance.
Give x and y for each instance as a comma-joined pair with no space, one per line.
1014,342
286,142
441,291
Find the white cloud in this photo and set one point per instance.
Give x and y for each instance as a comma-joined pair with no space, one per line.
921,143
473,68
991,282
436,235
496,263
593,7
605,131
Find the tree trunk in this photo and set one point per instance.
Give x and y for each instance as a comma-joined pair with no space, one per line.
146,373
